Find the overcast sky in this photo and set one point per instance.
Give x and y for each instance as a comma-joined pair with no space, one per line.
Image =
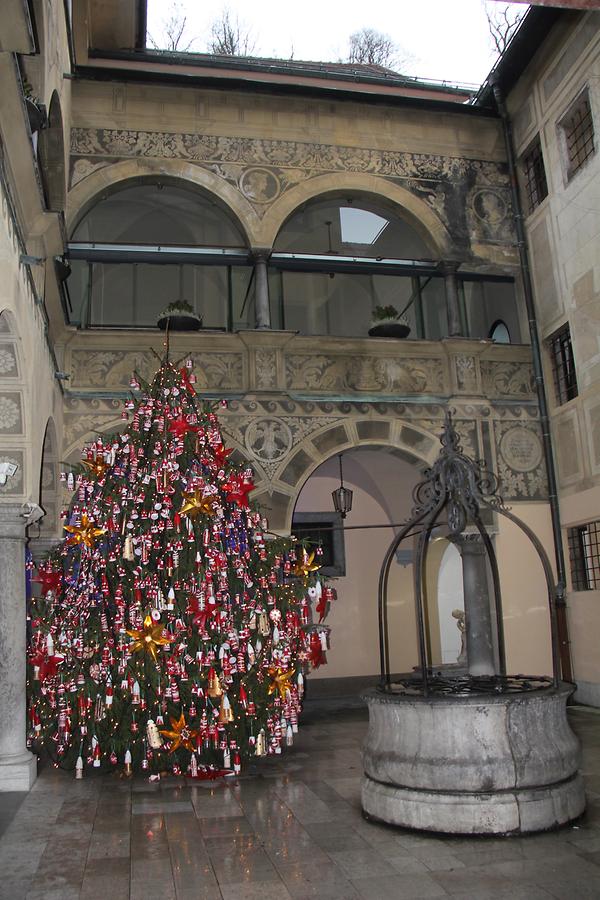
448,39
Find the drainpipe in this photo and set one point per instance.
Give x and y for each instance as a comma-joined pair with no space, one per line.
560,600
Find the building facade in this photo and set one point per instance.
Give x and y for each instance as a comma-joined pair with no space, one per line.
285,201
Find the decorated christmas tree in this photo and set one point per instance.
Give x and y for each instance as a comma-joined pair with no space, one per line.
171,634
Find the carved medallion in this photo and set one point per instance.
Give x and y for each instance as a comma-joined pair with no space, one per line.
521,449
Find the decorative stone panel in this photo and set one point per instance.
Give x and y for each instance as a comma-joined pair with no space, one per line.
471,195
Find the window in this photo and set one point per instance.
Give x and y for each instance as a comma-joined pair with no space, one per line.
584,556
325,531
536,187
563,365
577,130
499,332
143,245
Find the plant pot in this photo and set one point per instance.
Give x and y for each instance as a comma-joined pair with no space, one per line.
179,322
390,329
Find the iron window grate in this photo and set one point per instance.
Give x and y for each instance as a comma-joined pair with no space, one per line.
536,186
578,129
563,365
584,556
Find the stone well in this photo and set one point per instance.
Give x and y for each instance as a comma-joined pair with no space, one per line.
472,764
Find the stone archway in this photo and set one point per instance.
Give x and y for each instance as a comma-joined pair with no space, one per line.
382,478
90,188
416,212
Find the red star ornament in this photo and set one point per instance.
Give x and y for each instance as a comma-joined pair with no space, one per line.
237,490
181,426
48,580
48,665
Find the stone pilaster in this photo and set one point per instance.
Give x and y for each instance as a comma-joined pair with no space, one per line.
17,764
452,306
478,615
263,309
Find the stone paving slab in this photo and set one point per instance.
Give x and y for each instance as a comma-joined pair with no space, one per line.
292,830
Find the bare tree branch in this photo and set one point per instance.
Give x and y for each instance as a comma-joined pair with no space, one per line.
229,37
376,48
172,35
503,20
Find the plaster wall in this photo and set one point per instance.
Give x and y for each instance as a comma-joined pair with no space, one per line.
353,618
564,238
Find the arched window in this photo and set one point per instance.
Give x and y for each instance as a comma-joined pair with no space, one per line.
149,243
499,332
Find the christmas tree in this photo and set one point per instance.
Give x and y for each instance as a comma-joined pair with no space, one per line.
170,634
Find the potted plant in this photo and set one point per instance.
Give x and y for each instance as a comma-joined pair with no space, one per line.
387,322
179,316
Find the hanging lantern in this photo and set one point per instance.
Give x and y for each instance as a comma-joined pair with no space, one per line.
342,496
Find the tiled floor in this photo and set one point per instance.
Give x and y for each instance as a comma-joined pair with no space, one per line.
294,830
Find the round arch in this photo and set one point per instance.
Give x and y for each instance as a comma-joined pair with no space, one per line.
412,443
87,191
416,212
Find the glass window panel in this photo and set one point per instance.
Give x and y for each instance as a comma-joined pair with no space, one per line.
359,226
112,301
134,294
485,303
316,303
351,227
243,297
158,214
433,306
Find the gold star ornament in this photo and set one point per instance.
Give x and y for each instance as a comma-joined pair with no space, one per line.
280,681
86,533
306,565
149,638
181,735
95,467
194,504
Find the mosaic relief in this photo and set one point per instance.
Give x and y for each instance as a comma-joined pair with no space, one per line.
329,374
471,194
507,379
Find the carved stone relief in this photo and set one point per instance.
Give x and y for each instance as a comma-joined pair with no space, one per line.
263,169
329,374
507,379
520,461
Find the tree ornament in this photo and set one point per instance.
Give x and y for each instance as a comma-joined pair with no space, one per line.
181,735
280,681
195,503
86,533
305,565
225,711
149,638
153,735
96,466
214,685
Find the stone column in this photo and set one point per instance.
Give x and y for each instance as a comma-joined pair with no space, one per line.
17,765
478,615
262,307
452,306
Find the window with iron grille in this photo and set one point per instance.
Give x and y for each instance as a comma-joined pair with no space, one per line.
578,133
563,365
536,186
584,556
